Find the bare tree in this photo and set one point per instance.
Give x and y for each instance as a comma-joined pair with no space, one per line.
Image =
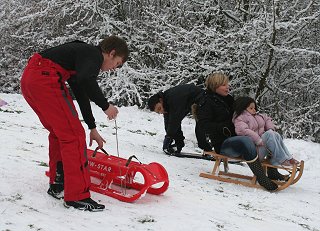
269,48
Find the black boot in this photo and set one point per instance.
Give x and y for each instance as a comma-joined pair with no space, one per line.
273,174
263,180
56,189
59,174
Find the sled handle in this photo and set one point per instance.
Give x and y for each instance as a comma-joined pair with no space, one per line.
130,158
96,150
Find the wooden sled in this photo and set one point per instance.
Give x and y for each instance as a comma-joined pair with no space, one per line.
295,173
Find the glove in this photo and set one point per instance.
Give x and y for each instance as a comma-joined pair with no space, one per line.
167,145
179,144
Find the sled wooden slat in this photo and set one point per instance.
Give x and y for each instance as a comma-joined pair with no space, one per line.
229,180
252,178
295,171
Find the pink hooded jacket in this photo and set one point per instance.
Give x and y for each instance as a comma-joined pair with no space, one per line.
252,125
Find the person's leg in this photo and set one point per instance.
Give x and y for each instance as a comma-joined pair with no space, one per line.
56,167
55,106
272,141
239,146
274,174
179,140
201,138
264,181
56,175
262,152
54,147
243,146
282,146
54,157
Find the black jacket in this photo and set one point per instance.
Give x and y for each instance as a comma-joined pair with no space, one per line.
86,61
177,102
214,119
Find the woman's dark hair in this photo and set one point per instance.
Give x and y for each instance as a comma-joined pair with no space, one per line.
153,100
242,103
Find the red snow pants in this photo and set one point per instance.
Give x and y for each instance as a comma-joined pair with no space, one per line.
43,87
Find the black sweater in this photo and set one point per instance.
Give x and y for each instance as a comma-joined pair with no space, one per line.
86,61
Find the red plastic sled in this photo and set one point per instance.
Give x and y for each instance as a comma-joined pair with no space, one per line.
125,180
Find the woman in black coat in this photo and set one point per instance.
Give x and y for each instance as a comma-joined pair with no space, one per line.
215,129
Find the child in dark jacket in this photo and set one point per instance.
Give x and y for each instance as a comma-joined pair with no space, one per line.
175,104
260,128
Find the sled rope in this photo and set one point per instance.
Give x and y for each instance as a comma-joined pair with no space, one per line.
117,142
123,180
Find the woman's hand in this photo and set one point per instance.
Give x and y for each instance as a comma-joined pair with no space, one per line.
94,135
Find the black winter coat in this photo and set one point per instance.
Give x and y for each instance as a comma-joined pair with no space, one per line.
177,102
214,119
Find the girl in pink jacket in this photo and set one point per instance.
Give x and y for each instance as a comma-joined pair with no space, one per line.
261,130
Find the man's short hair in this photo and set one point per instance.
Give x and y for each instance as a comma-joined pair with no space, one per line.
153,100
115,43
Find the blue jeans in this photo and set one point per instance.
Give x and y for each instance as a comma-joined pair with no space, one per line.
274,147
239,146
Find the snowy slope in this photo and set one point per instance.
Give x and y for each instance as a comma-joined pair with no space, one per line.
191,202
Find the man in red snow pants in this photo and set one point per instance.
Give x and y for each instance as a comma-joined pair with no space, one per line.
43,87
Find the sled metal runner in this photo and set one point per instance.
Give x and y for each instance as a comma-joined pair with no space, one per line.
295,173
124,179
192,155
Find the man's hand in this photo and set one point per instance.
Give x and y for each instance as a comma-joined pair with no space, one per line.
94,135
111,112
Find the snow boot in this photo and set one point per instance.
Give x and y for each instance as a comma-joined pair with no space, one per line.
263,180
56,189
273,174
85,205
59,174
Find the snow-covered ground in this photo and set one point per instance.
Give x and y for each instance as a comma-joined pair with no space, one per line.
190,203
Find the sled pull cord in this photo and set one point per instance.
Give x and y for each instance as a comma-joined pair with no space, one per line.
116,126
122,184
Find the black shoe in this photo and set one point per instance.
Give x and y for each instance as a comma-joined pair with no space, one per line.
85,205
56,191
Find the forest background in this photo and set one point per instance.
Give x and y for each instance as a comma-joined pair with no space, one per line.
270,48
